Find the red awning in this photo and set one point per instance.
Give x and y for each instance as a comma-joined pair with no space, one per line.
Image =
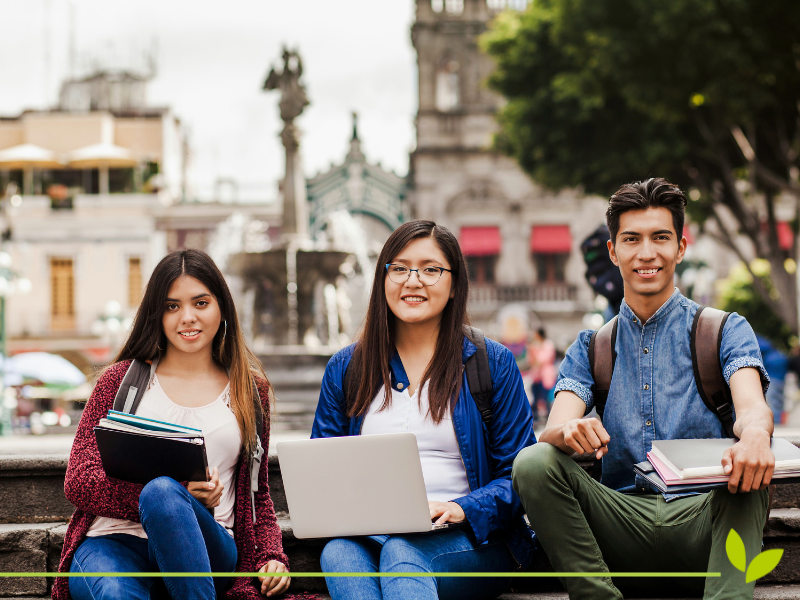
785,234
551,239
480,241
688,235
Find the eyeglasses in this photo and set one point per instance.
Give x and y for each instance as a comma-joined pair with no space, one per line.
426,275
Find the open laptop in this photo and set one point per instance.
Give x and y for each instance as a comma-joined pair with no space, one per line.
357,485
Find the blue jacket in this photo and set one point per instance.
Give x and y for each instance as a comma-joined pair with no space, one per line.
493,510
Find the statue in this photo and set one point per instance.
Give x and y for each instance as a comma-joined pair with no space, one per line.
293,93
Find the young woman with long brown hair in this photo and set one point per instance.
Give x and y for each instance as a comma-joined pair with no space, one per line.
204,373
407,374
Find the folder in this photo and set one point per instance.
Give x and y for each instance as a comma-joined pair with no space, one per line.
646,470
140,455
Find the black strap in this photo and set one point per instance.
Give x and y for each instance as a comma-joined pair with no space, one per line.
479,377
706,341
133,387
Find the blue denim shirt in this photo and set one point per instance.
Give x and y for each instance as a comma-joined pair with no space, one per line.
653,394
493,509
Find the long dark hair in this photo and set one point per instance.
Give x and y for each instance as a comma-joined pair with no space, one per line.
376,345
147,340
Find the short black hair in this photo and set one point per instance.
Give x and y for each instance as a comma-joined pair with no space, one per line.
655,192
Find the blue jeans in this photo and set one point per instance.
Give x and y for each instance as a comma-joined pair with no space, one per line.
439,552
182,536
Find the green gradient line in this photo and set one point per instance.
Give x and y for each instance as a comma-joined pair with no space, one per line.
285,574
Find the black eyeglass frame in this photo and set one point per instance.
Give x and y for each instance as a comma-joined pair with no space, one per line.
441,270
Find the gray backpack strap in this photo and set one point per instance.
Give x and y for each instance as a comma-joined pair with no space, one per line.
602,358
479,377
133,386
258,452
706,341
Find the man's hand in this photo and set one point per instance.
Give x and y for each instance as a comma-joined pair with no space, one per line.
750,462
586,436
447,512
274,586
207,493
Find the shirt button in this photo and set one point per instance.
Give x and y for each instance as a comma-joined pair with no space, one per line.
399,386
646,351
648,423
635,321
647,387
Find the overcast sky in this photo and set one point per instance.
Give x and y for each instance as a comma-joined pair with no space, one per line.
212,60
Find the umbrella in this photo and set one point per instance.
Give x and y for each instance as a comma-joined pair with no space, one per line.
26,157
50,369
103,155
10,374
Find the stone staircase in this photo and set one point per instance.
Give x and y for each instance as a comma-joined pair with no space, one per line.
34,513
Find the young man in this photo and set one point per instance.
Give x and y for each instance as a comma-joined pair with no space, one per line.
620,525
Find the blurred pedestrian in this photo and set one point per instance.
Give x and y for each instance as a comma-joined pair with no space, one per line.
542,362
777,365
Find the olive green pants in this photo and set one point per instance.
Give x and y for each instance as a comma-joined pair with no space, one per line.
584,527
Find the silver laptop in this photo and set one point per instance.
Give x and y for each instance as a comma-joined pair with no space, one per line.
357,485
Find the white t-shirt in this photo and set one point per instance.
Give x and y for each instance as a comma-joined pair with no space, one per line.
223,448
442,467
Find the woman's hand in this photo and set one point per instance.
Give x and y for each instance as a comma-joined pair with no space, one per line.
207,493
274,586
447,512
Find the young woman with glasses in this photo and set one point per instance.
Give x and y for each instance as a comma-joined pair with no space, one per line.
408,375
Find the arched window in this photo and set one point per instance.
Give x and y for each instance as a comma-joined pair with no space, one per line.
455,7
448,95
437,5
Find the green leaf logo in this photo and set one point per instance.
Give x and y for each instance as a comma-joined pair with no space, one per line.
762,565
734,546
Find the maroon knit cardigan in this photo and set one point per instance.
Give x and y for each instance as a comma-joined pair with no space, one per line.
95,494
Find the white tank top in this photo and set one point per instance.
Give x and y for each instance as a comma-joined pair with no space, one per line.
223,448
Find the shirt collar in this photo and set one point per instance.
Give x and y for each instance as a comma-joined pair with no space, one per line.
674,300
398,372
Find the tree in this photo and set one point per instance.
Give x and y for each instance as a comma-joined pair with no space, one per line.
703,92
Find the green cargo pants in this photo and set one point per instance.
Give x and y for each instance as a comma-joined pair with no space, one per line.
584,526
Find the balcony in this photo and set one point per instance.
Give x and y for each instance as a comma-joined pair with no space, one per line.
548,297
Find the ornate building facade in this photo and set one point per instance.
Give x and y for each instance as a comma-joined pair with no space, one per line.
522,242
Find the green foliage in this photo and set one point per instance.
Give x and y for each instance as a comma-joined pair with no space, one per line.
763,564
603,93
736,294
734,546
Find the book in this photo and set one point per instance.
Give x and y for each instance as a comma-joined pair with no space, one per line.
139,454
692,459
646,471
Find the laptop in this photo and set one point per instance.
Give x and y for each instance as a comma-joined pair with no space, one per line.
356,485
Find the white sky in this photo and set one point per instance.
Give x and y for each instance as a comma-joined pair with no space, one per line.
213,58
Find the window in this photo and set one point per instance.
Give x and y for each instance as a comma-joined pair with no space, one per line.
134,281
551,268
447,86
62,282
481,268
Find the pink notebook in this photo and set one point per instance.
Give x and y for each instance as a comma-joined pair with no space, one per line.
671,478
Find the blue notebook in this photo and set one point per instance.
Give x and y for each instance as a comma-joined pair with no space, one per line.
150,424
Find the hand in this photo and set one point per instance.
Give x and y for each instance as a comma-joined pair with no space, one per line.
207,493
274,586
749,462
447,512
586,436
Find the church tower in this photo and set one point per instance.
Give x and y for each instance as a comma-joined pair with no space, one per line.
521,242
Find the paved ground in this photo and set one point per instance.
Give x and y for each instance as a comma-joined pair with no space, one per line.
61,444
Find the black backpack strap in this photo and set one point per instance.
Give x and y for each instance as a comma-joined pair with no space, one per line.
258,451
706,340
602,358
479,377
133,386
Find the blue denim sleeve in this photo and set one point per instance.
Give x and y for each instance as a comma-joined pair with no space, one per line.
739,349
495,506
330,420
575,373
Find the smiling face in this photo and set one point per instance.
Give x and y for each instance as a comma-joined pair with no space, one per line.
191,316
412,302
647,250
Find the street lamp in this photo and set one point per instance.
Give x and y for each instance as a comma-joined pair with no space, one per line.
10,283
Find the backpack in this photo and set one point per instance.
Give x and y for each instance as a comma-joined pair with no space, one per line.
133,387
479,377
705,341
602,274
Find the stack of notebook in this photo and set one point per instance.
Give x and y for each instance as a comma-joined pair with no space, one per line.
679,466
138,449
